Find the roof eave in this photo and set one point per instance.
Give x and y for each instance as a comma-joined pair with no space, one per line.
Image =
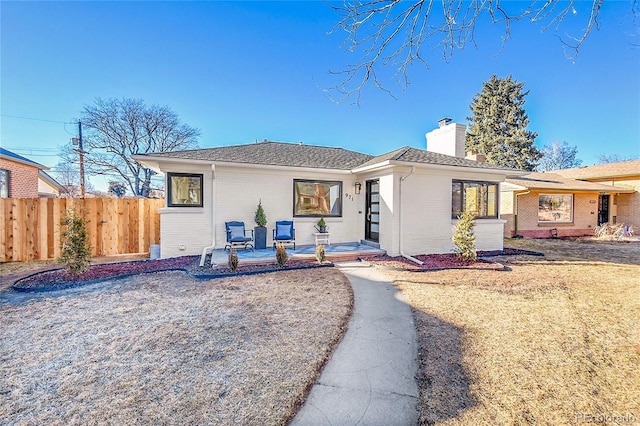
505,172
26,163
371,167
156,164
611,189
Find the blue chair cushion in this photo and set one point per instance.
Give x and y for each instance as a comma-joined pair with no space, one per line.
283,232
236,232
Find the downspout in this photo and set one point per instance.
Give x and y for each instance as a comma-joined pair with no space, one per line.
515,211
213,218
402,253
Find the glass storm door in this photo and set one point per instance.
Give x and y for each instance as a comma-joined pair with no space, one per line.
372,218
603,209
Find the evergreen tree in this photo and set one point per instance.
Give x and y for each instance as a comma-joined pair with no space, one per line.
499,123
464,238
76,252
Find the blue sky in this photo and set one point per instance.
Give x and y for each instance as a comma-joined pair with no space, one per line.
246,71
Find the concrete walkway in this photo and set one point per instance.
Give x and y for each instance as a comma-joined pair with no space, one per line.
370,379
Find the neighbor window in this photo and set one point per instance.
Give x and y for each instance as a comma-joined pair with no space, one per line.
555,208
317,198
184,190
479,198
4,183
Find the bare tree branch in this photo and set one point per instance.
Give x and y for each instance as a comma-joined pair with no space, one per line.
396,34
119,128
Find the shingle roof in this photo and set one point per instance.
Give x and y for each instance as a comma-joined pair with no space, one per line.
276,154
321,157
413,155
620,169
557,182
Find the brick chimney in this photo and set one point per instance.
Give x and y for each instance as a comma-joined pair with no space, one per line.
476,156
448,138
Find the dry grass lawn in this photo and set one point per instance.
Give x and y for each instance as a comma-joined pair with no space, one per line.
167,349
555,340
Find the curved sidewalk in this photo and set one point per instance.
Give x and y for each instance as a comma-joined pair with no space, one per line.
370,379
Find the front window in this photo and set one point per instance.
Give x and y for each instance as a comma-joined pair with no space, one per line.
184,190
479,198
4,183
316,198
555,208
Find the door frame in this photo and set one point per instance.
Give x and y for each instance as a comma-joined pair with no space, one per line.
370,194
604,208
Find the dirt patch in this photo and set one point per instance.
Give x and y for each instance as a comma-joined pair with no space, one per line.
551,341
164,348
581,249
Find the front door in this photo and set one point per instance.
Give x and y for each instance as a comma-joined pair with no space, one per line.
603,209
372,218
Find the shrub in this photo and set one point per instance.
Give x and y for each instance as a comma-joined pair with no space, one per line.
233,259
260,217
464,238
281,255
320,255
76,252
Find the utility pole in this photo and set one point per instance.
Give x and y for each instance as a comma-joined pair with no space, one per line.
81,154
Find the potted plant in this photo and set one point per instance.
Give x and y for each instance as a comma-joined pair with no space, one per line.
322,226
260,231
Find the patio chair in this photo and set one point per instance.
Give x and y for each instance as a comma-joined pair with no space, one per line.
284,233
237,236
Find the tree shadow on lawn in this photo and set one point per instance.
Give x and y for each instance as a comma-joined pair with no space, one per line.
442,380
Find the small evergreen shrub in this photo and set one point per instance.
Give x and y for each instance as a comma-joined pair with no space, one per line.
320,255
233,259
76,252
260,217
464,238
281,255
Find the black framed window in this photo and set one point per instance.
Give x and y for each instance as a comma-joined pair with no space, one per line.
4,183
479,198
184,190
315,198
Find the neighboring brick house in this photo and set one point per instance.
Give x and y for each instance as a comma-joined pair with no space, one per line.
545,205
24,178
623,207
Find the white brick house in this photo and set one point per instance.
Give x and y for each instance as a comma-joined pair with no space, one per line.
405,201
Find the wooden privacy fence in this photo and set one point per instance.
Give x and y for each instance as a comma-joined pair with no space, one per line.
31,226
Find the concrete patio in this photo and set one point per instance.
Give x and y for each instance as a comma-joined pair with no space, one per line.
335,252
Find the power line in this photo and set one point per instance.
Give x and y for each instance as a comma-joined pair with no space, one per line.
31,149
37,119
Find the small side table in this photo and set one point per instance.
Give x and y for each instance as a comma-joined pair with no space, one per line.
322,238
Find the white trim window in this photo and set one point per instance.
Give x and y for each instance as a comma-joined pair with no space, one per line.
4,183
555,208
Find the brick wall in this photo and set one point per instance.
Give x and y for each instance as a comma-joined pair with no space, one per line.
23,179
585,217
628,208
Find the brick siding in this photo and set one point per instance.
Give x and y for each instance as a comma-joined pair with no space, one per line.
23,179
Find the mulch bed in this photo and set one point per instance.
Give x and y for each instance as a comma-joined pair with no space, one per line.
59,279
438,262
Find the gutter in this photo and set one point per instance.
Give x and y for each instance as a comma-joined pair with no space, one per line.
213,218
402,253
